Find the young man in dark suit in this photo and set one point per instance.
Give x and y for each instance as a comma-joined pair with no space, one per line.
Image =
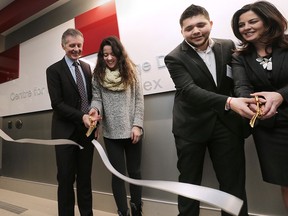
202,118
70,104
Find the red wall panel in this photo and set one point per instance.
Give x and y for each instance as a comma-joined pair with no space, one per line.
9,64
97,24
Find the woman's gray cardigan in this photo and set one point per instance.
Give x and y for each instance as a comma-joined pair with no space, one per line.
120,110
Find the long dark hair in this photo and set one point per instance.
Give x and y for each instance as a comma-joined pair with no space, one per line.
125,64
274,22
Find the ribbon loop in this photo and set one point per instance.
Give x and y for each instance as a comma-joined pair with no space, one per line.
220,199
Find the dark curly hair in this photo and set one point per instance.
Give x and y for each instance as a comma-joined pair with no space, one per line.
193,10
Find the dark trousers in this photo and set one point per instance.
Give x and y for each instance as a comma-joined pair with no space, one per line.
122,154
74,164
227,154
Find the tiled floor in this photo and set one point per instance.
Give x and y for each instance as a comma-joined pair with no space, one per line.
17,204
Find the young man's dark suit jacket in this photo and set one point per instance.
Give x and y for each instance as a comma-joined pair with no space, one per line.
67,124
198,101
199,106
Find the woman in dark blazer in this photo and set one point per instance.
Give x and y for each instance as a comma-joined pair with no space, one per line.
260,68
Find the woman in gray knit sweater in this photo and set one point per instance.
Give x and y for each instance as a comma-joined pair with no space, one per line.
118,98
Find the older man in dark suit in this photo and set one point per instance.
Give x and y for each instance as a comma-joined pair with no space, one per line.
70,90
202,116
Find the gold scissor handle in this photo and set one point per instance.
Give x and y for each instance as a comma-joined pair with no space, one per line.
91,128
258,113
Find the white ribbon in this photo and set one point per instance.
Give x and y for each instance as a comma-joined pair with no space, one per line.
39,141
225,201
220,199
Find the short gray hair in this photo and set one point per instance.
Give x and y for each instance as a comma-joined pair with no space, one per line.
70,32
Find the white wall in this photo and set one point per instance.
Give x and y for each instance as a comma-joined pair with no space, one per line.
148,29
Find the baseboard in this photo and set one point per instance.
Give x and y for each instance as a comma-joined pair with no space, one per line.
101,201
